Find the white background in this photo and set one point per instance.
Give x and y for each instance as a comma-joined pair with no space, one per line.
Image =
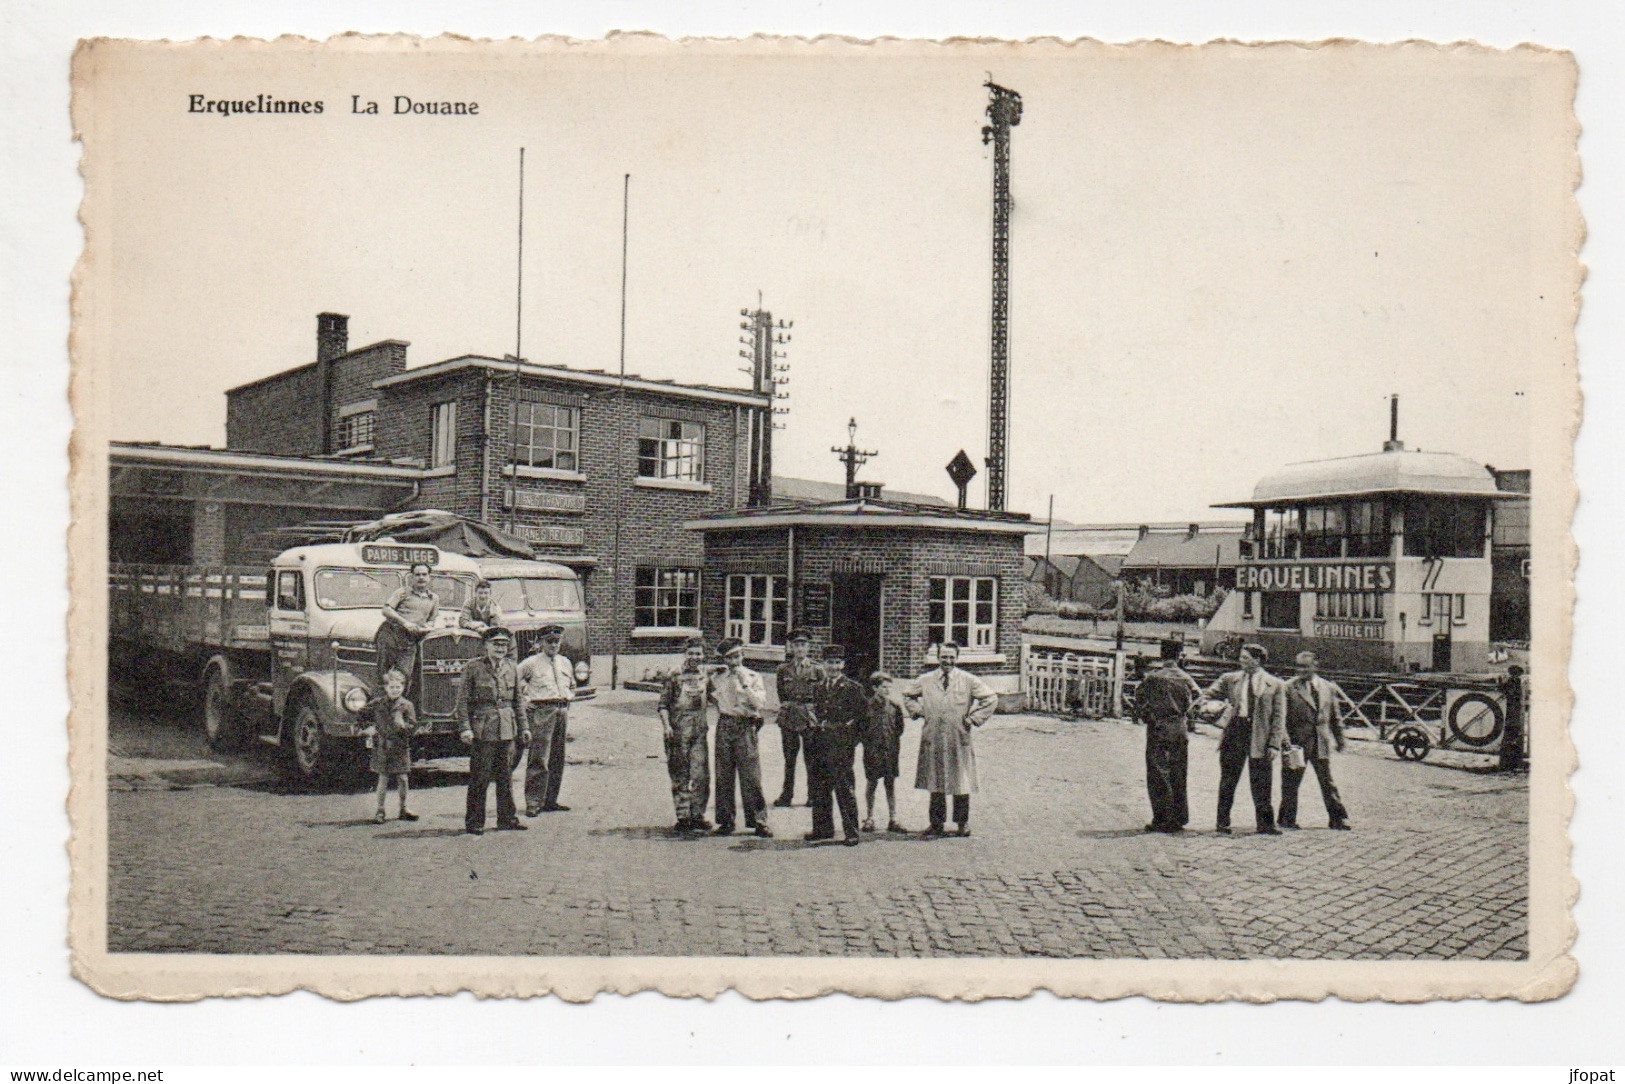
46,1018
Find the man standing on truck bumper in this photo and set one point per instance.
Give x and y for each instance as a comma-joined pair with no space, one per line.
490,707
549,682
408,614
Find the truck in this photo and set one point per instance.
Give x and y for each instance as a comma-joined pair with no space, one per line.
533,595
285,654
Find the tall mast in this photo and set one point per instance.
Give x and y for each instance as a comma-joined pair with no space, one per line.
1004,110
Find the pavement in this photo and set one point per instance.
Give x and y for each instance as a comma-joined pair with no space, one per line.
217,854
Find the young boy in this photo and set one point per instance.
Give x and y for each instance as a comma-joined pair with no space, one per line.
881,732
394,721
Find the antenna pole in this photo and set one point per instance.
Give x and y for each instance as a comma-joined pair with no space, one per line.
518,358
1005,112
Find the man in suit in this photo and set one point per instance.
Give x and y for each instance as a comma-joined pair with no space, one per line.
1313,723
1256,703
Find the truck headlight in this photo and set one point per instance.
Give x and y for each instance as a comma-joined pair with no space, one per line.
355,699
583,670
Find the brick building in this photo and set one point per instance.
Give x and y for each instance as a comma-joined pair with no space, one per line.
595,465
886,579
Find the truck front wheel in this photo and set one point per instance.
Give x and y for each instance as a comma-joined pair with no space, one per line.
315,757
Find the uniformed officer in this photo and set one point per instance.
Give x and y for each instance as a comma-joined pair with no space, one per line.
490,707
682,712
549,682
408,614
838,707
798,680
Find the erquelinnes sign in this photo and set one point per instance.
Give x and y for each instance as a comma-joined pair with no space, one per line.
1283,576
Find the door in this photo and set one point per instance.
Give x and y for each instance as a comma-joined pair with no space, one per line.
855,621
1443,619
289,628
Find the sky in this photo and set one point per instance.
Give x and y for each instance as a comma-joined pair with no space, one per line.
1222,261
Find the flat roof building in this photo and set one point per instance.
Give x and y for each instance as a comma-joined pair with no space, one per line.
888,580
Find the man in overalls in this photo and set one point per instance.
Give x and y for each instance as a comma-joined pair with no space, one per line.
682,712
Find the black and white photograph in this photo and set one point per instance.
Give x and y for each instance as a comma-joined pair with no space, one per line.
791,516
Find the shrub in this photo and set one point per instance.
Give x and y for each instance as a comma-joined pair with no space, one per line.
1039,601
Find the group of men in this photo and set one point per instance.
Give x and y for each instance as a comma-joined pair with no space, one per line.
1262,715
504,708
823,717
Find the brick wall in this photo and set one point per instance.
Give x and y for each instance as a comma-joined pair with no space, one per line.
279,415
282,414
651,518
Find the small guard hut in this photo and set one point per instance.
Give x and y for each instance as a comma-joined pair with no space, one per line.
887,580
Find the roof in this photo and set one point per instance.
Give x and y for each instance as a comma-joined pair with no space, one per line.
313,364
1392,471
592,377
808,491
866,513
1182,549
178,456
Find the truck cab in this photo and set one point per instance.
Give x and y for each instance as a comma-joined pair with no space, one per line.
325,606
533,595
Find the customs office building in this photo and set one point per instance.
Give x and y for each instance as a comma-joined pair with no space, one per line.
675,478
1377,563
582,464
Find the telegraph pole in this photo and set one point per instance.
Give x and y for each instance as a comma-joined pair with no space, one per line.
767,376
1004,110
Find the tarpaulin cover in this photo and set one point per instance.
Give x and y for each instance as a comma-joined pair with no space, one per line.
448,531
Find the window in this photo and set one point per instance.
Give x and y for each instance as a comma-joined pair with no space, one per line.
757,608
290,591
443,434
370,588
667,598
536,595
1282,526
1279,610
964,609
547,436
1440,527
1323,528
668,448
1354,605
1368,529
355,430
1445,609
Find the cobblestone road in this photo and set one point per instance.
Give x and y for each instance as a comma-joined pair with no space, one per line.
213,854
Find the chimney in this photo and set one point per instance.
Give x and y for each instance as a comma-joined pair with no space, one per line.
1144,530
1393,443
332,342
332,336
1192,532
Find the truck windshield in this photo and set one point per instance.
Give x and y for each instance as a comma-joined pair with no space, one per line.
370,588
527,594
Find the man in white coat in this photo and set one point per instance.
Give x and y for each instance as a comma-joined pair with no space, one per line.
951,702
1256,704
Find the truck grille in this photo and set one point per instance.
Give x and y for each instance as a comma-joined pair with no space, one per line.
443,657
